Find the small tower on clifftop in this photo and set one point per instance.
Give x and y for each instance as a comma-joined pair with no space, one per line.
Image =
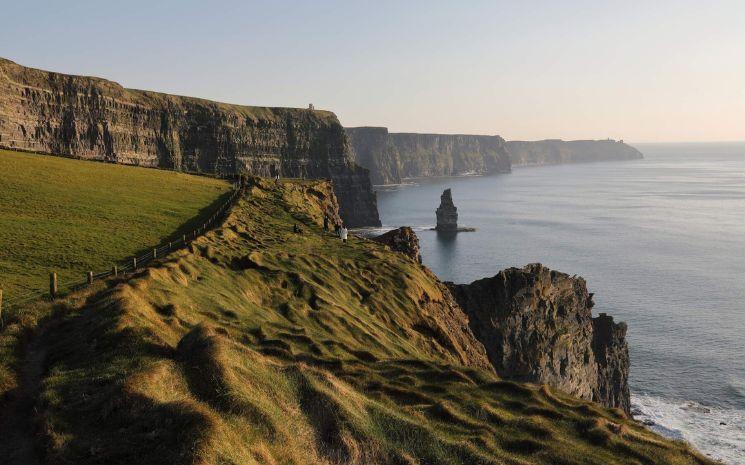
311,107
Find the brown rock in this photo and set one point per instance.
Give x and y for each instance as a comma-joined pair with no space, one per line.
402,240
536,325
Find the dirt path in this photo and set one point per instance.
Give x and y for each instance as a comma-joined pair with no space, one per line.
17,429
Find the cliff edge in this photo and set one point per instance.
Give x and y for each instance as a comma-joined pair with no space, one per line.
537,326
261,345
392,157
554,151
93,118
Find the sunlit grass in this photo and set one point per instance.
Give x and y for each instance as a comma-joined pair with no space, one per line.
72,216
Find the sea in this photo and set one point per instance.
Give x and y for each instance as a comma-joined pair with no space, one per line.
661,243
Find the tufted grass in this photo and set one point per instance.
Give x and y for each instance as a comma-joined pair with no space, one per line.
262,346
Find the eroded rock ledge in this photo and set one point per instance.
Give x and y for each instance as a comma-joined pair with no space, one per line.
537,326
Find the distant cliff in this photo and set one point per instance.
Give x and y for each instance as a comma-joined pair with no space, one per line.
391,157
537,326
552,152
94,118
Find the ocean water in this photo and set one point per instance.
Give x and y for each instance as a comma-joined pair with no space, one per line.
661,242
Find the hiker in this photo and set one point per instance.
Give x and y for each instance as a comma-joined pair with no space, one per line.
325,223
296,229
343,234
337,229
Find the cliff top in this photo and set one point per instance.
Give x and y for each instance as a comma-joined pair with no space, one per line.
48,223
422,134
44,80
262,345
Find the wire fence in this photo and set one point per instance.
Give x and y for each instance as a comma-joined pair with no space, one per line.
11,306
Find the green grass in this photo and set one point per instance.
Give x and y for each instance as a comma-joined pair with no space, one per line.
72,216
261,346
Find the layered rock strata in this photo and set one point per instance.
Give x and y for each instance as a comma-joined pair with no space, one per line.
402,240
392,157
537,326
447,213
93,118
554,151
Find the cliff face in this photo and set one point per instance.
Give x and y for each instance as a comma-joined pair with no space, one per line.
612,356
97,119
391,157
552,152
536,325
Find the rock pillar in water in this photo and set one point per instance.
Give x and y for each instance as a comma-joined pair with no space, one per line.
447,213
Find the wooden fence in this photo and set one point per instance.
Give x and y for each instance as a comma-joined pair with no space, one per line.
13,305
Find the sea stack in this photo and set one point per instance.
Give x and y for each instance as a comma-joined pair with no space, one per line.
447,213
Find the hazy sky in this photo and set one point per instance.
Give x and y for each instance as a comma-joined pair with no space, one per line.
641,71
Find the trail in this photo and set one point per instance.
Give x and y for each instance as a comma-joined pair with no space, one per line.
17,428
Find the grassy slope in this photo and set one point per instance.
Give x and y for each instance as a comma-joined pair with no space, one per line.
72,216
263,346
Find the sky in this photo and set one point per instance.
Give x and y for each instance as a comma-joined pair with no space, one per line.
649,71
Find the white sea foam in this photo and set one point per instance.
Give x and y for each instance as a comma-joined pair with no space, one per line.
372,232
718,433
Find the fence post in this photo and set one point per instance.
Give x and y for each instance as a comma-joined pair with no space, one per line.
53,285
183,239
115,271
90,277
134,263
170,246
155,253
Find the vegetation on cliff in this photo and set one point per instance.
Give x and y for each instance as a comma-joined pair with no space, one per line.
89,117
73,216
262,345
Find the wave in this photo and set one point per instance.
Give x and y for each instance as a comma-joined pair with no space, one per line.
372,232
718,433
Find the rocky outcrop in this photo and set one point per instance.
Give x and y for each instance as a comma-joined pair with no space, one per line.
402,240
97,119
536,325
553,151
392,157
447,213
612,356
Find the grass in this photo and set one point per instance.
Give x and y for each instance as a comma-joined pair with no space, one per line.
262,346
72,216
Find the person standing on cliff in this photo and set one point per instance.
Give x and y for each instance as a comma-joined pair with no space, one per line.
325,223
343,234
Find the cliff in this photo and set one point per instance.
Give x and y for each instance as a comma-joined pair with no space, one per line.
392,157
537,326
97,119
402,240
552,152
259,345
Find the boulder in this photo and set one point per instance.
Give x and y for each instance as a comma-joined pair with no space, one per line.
402,240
